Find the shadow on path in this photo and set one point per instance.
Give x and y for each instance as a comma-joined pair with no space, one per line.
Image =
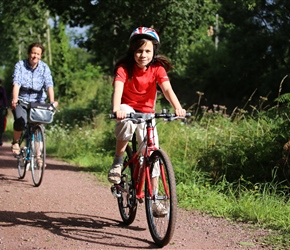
80,227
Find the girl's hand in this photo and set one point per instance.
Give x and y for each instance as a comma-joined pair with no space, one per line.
121,114
180,112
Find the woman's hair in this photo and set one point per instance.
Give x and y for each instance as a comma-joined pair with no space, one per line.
128,60
36,44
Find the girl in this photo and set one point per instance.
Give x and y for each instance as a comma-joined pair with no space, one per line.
136,76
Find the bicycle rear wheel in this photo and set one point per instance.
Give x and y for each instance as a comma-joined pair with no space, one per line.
161,211
127,199
38,153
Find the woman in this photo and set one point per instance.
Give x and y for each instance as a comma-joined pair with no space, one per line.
31,80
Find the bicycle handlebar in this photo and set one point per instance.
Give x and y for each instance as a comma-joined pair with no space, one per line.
150,116
51,108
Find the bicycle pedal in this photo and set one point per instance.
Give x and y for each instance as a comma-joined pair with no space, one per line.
17,156
114,192
140,200
156,215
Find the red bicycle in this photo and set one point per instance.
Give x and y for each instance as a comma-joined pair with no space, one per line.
145,164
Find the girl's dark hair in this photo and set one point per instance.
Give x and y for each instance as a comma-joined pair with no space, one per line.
128,60
36,44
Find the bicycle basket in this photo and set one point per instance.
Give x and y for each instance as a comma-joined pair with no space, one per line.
40,113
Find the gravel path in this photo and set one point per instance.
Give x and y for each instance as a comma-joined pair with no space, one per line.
72,210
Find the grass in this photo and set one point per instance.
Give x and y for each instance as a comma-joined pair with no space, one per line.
223,166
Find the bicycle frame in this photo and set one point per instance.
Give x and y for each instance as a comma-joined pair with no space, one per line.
141,172
148,175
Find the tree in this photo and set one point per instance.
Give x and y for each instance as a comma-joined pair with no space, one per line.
111,22
252,56
22,22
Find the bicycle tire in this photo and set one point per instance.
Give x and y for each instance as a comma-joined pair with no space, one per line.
21,158
21,164
162,226
38,151
127,200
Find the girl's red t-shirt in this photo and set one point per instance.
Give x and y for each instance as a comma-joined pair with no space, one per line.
140,92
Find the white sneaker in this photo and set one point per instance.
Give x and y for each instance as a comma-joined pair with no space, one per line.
114,174
159,209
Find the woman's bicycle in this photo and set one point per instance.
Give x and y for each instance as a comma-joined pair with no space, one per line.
32,143
148,165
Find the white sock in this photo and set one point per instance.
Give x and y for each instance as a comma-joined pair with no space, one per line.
118,160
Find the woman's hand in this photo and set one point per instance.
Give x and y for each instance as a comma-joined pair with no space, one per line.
14,103
55,104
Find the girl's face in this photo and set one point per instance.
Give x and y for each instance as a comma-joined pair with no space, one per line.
144,54
34,56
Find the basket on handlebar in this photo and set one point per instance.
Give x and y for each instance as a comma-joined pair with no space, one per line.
40,113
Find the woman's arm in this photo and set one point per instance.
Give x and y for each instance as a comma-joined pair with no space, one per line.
50,92
15,94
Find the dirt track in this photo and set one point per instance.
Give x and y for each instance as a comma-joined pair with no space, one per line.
72,210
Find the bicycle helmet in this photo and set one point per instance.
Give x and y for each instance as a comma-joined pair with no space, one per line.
146,33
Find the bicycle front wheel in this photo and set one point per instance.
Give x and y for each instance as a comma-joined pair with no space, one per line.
38,152
127,197
21,158
161,210
22,163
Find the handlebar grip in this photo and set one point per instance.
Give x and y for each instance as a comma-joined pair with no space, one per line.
188,115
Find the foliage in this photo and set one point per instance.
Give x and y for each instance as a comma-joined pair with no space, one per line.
19,28
253,35
97,92
21,23
109,21
232,51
